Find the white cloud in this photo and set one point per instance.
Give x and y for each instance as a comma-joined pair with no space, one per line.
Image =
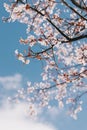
53,112
13,118
11,82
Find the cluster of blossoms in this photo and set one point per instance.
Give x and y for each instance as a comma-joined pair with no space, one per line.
21,57
59,32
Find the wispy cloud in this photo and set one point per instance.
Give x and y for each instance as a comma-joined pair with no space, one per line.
53,112
11,82
13,118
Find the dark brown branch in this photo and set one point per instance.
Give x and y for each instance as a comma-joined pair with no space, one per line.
79,37
69,39
76,38
20,1
74,10
79,96
51,23
60,31
76,77
78,5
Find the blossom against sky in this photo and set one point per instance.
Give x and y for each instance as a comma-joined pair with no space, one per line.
16,116
10,68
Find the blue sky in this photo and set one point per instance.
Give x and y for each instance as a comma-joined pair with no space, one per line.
14,72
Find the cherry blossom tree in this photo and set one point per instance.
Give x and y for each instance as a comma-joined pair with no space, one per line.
56,35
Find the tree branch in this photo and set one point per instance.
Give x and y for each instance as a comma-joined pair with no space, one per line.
78,5
74,10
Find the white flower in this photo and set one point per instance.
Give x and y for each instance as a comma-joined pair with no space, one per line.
29,83
69,100
74,116
85,53
27,61
21,57
78,109
7,7
61,105
44,76
16,52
